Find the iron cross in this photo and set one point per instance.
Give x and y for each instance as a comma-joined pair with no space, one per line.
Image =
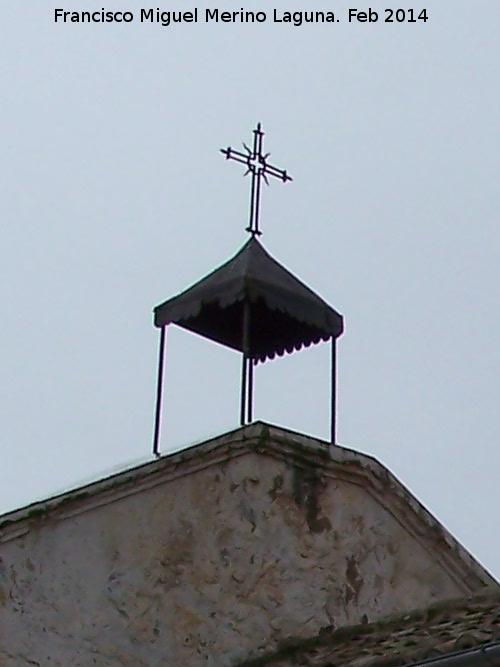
257,165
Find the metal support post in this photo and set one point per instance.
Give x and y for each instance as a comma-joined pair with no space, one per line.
244,366
333,407
159,392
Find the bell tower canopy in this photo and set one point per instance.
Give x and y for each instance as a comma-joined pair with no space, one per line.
285,314
251,303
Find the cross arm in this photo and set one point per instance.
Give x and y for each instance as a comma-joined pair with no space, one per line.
232,154
278,173
267,169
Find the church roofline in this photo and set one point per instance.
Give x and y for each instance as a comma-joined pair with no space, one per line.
450,633
302,451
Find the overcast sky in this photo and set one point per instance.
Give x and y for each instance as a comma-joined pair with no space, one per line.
114,197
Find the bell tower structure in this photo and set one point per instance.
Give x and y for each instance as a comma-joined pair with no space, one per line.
251,303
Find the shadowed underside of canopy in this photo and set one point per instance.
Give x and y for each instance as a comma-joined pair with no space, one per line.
284,314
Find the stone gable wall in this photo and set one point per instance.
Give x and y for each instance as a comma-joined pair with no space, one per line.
209,569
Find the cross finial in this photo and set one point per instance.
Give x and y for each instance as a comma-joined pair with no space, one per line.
258,166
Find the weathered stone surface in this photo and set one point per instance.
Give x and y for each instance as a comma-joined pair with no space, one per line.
217,553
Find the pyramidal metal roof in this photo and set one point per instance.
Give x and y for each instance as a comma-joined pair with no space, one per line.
285,314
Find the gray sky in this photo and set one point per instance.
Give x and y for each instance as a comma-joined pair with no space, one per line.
114,197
